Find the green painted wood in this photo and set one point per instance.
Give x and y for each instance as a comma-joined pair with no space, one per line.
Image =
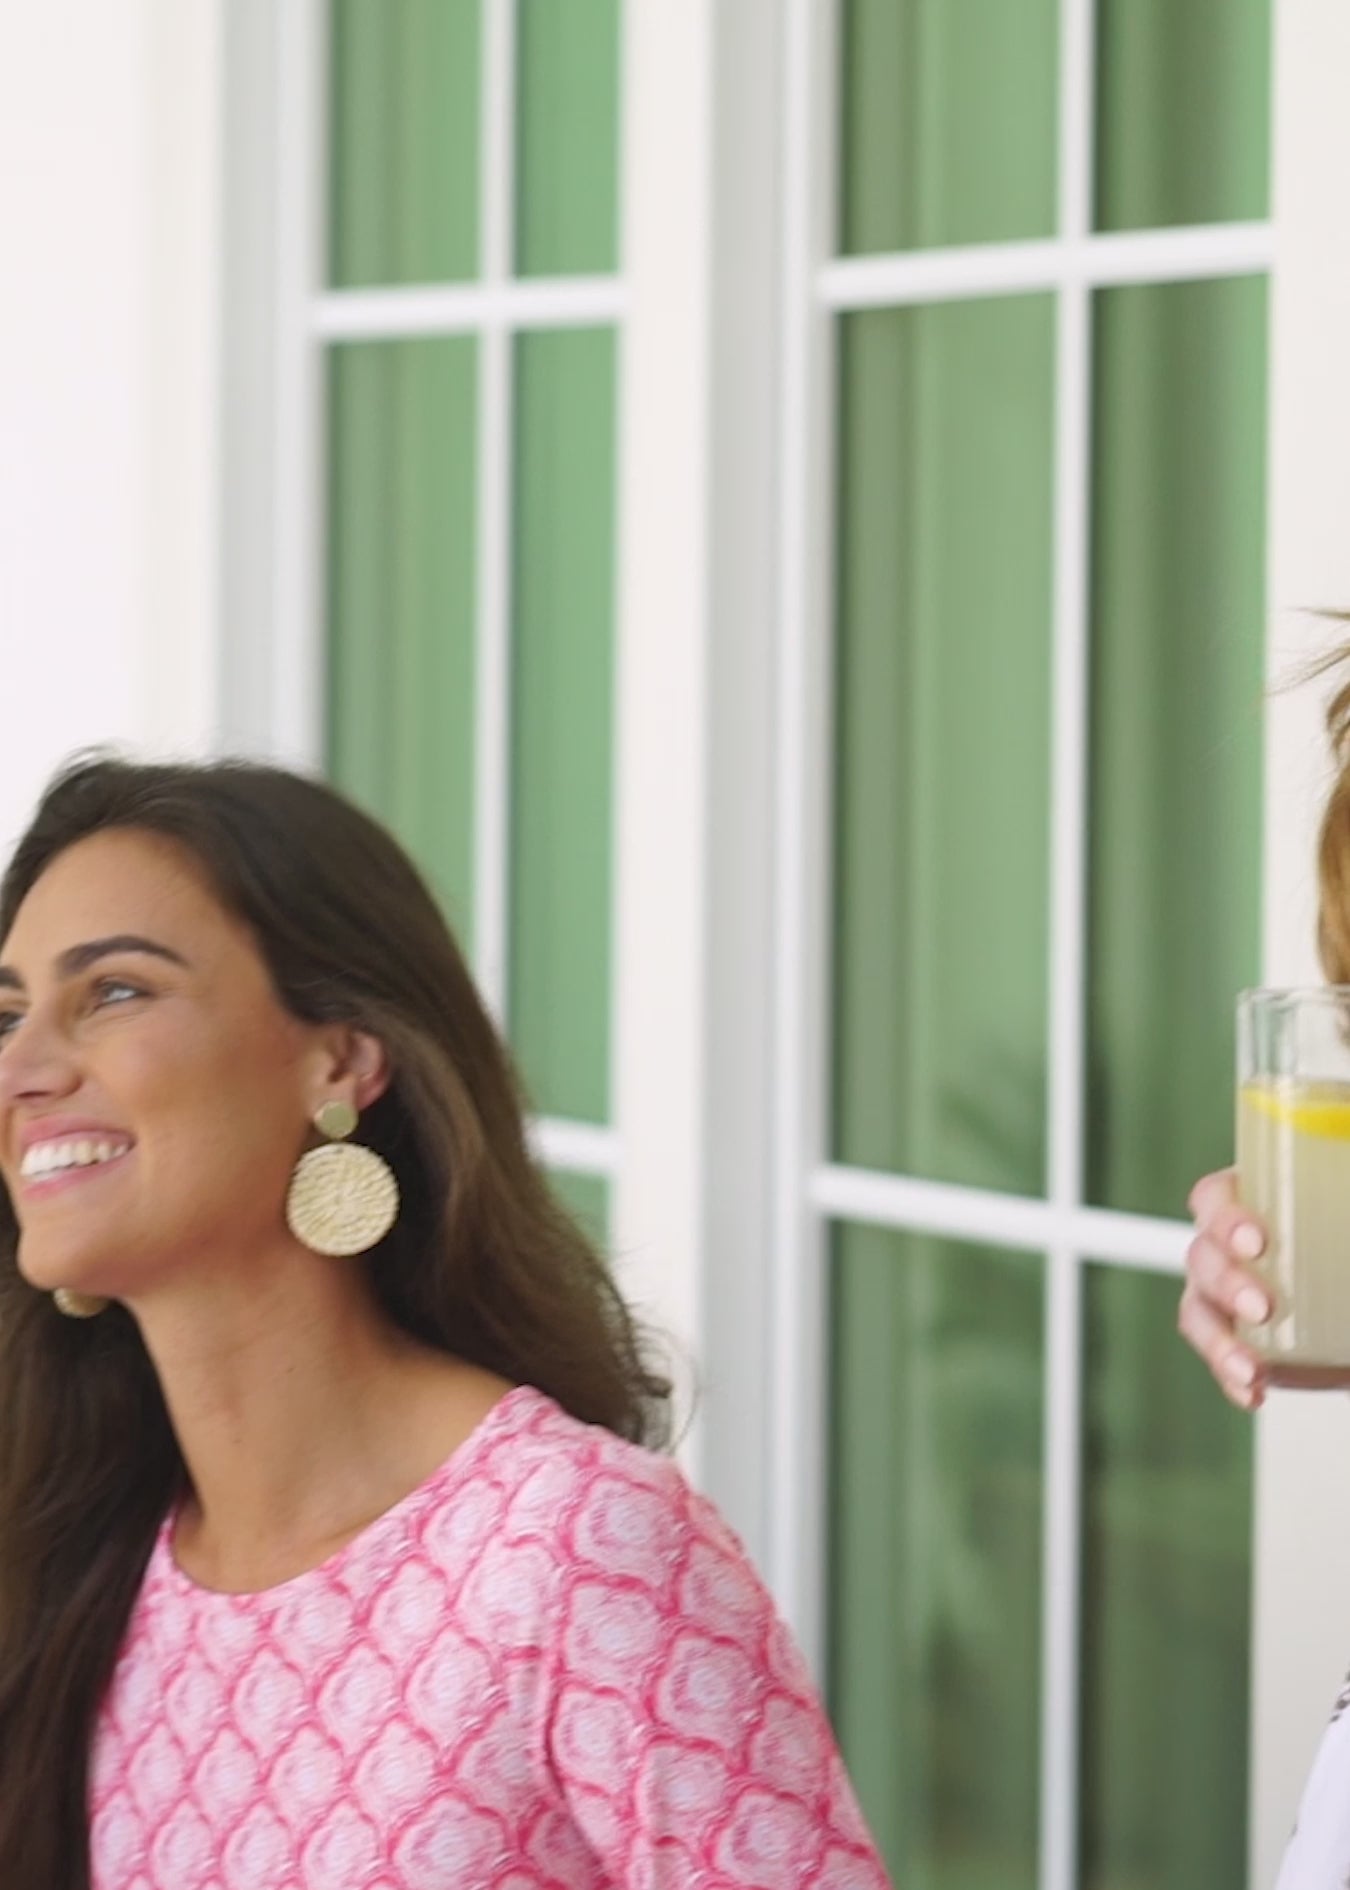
948,122
1183,112
1178,595
942,742
401,598
404,141
563,760
567,137
935,1590
1166,1601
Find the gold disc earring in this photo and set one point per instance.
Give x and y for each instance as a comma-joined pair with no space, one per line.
343,1198
78,1305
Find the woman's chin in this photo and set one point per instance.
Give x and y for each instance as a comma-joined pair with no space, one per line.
45,1270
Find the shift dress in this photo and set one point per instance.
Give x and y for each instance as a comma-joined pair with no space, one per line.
550,1667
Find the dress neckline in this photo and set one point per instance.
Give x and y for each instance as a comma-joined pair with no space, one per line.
452,1470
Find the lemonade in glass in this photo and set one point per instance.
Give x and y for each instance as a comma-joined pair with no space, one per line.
1293,1161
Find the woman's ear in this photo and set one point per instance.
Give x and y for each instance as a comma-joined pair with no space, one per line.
353,1063
370,1067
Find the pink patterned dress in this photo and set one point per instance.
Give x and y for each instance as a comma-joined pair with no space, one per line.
551,1667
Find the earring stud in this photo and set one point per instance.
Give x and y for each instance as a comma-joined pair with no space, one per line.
343,1198
336,1119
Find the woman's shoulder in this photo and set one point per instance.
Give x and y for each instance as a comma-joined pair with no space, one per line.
550,1468
613,1532
606,1508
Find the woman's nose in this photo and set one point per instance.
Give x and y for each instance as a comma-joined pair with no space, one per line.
35,1062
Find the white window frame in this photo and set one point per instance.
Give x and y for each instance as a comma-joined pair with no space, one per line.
725,304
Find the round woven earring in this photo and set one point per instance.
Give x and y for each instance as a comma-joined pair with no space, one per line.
343,1198
78,1305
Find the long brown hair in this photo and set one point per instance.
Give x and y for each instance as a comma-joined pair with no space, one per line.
482,1261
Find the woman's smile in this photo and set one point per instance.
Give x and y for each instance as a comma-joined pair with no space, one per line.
59,1154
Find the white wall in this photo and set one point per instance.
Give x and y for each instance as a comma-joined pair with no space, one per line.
108,187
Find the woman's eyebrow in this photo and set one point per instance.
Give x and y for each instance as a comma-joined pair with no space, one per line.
77,958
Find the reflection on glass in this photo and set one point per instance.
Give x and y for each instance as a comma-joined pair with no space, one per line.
1183,112
1178,608
1167,1517
400,651
404,135
942,741
934,1604
948,114
562,759
567,117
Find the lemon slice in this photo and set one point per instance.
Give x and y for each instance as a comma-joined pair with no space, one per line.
1310,1108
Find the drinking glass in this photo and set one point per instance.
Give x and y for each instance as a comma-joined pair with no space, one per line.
1293,1161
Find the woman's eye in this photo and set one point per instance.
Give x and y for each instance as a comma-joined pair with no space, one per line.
9,1023
115,991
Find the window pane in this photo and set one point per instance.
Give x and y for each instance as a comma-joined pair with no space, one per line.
404,133
1178,598
563,762
586,1198
1165,1601
942,741
401,584
934,1606
568,137
948,119
1183,125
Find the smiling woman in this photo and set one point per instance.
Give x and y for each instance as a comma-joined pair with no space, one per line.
329,1552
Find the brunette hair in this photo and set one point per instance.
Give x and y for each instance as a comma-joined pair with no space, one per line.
482,1261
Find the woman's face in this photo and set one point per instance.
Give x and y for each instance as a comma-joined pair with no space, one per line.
154,1094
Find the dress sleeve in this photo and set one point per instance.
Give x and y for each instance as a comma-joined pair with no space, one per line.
683,1731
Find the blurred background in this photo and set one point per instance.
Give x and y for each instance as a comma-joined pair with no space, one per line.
779,504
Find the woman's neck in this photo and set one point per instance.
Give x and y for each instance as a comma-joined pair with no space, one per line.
301,1412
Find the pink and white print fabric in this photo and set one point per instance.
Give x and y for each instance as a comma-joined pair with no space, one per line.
549,1668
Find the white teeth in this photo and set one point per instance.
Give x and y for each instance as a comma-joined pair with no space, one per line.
49,1158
